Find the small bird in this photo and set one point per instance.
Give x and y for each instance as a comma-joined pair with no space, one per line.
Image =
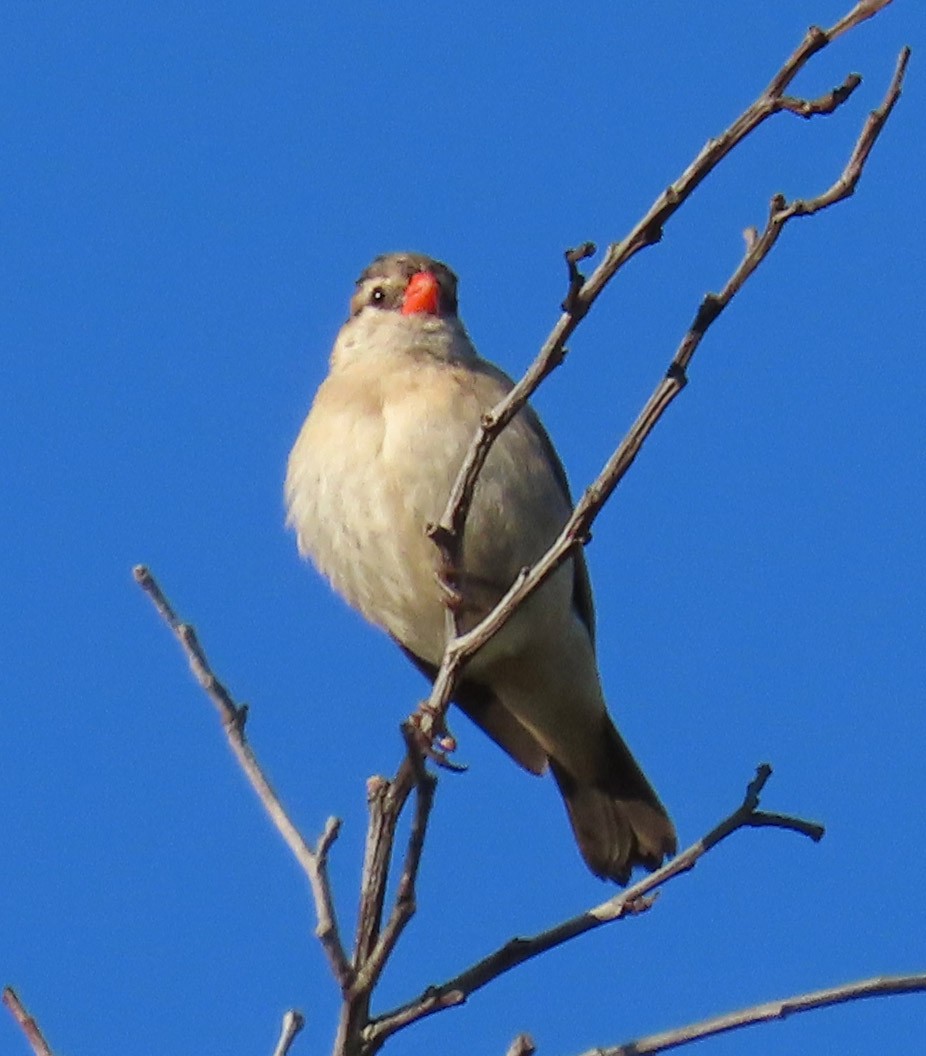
375,463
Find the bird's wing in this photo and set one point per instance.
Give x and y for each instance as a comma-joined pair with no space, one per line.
476,700
582,599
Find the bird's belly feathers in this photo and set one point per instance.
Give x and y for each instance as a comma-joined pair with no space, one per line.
362,489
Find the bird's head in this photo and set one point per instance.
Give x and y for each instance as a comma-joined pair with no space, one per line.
409,284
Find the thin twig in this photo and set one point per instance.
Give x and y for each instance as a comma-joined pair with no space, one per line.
767,1011
405,901
293,1022
630,902
826,104
462,647
27,1023
312,861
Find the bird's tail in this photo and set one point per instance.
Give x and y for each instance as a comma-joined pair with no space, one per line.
617,819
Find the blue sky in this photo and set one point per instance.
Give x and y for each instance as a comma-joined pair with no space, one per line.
189,193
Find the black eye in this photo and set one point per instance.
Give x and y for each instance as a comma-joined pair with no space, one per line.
378,295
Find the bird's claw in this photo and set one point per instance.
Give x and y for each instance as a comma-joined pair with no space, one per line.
428,729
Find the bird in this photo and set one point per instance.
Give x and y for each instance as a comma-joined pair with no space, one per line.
373,466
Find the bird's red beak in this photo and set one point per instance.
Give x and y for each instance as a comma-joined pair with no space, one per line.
422,294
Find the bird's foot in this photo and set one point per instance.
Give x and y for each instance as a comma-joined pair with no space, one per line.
428,729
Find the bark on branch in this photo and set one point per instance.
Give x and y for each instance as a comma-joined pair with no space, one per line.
379,928
766,1012
27,1023
374,941
314,861
448,533
632,901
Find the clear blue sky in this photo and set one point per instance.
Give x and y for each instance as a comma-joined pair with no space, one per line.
189,193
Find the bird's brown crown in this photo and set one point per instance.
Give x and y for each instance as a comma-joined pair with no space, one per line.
383,283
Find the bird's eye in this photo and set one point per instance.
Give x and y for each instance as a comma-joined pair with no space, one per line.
378,295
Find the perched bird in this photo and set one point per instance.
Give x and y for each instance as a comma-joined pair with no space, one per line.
374,464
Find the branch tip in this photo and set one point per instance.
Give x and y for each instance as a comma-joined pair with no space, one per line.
572,303
293,1022
328,837
27,1023
765,819
578,253
523,1045
755,786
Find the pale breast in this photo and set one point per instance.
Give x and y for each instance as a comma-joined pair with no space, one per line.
375,463
371,468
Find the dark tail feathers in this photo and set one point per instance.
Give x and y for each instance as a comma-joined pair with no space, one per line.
617,819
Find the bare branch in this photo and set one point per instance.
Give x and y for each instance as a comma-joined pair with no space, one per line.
385,800
461,647
293,1022
769,1010
523,1045
633,900
826,104
313,862
26,1022
646,232
405,901
374,943
862,11
375,939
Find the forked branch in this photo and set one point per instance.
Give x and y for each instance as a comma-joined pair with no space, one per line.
374,940
583,293
378,931
632,901
314,861
448,533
